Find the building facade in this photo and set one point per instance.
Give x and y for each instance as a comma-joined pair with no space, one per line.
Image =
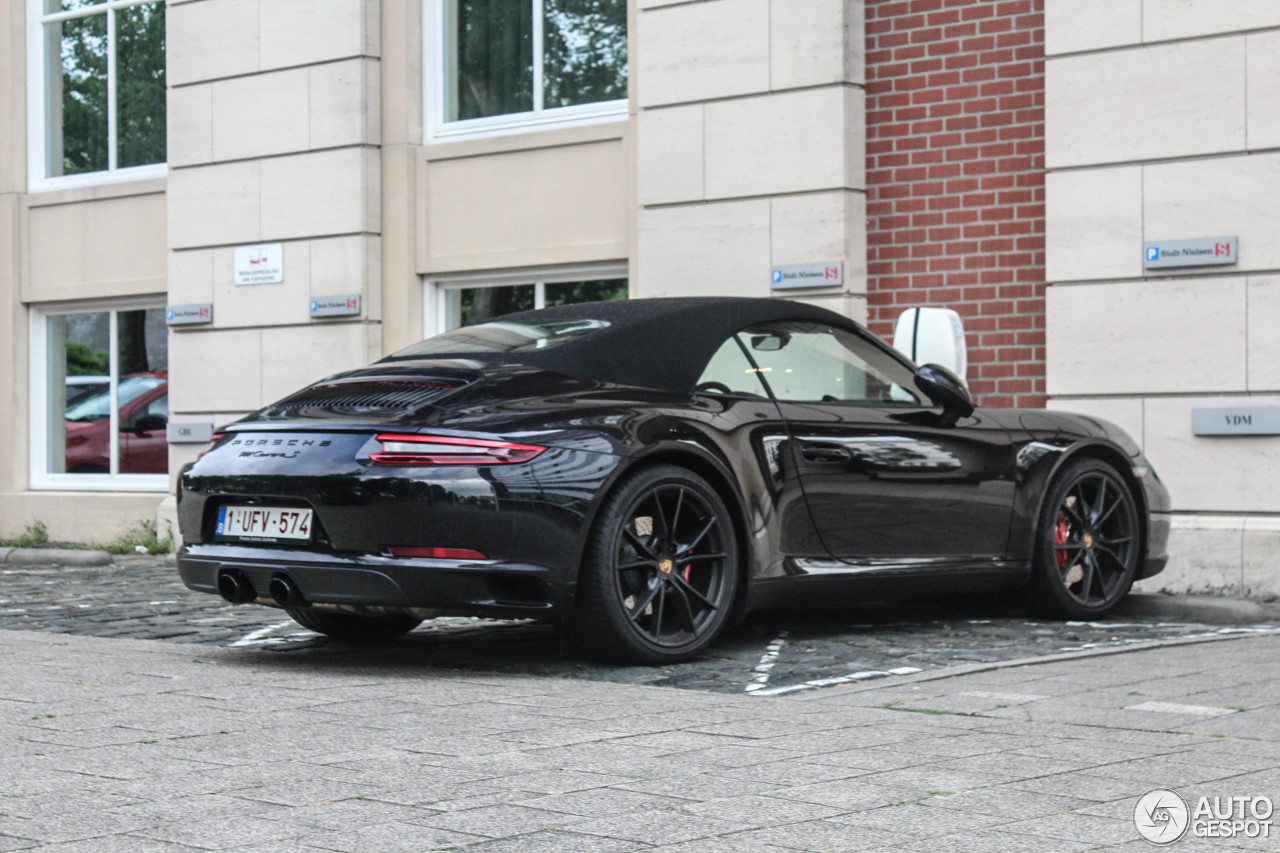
206,204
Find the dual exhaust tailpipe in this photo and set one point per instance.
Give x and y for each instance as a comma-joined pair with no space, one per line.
234,587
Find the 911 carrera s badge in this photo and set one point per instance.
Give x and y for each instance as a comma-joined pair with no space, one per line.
666,566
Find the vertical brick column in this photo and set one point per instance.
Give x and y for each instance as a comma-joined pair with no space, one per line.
955,179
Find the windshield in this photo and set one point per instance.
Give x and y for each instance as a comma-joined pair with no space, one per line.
498,336
96,406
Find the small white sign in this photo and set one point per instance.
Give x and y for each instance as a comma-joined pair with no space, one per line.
796,276
190,433
261,264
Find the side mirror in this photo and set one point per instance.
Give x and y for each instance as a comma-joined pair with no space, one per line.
149,423
945,389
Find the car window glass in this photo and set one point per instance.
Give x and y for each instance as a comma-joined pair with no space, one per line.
729,372
812,362
159,407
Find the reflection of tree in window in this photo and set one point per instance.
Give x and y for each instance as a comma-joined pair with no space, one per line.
585,51
494,65
483,303
571,292
140,85
84,95
78,102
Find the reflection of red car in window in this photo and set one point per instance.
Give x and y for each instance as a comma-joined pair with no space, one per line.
144,416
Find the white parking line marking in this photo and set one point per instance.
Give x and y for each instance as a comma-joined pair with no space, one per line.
840,679
1175,708
1211,632
260,636
770,657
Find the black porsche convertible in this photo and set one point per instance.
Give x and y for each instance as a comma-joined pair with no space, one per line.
649,471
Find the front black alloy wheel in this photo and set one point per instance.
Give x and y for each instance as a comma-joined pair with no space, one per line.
1089,541
660,570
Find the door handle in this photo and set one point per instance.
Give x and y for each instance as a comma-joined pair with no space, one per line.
826,454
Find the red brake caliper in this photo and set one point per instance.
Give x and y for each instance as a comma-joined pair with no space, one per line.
1061,531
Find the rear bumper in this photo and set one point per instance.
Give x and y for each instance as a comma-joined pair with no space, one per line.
481,587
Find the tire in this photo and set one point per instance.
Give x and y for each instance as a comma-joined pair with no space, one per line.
660,570
354,628
1088,541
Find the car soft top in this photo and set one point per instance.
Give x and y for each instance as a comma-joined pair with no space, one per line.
660,343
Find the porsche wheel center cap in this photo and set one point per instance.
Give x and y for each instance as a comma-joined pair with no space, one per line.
666,566
1088,540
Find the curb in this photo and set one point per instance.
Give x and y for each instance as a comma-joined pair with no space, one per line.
1194,608
55,557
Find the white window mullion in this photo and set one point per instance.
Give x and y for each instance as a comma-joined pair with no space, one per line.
537,56
111,95
539,294
113,371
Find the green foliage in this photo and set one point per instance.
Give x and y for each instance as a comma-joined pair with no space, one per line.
83,360
584,57
585,52
141,536
140,89
34,535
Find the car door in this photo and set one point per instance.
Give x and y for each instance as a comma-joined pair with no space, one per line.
144,443
752,427
886,475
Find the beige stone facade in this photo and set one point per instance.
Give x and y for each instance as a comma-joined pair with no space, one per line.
1161,125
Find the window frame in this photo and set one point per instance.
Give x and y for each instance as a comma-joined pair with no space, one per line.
37,113
436,289
40,478
435,67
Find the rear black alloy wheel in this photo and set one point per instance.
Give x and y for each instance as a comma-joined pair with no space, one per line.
1090,540
354,627
661,569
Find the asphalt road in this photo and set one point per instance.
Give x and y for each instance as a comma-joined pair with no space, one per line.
769,654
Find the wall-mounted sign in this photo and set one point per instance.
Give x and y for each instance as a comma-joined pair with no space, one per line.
796,276
1200,252
1241,420
345,305
189,315
190,433
262,264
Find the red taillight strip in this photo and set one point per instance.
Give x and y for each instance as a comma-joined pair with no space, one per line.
213,442
435,553
447,450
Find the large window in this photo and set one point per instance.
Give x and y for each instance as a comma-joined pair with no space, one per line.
512,63
96,77
100,398
470,299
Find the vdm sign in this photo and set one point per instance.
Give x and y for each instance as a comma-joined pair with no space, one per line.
1245,420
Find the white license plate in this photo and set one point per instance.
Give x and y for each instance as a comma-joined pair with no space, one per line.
264,523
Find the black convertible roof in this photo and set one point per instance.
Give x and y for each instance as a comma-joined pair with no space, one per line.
659,343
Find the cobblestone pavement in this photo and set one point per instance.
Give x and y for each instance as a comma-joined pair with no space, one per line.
770,654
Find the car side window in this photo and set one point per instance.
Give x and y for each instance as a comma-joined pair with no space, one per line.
813,362
729,372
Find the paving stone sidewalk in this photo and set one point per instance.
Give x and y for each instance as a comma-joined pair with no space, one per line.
133,745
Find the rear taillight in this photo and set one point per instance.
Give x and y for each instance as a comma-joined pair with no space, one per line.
444,450
213,442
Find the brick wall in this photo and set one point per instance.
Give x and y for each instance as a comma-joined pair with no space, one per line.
955,179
